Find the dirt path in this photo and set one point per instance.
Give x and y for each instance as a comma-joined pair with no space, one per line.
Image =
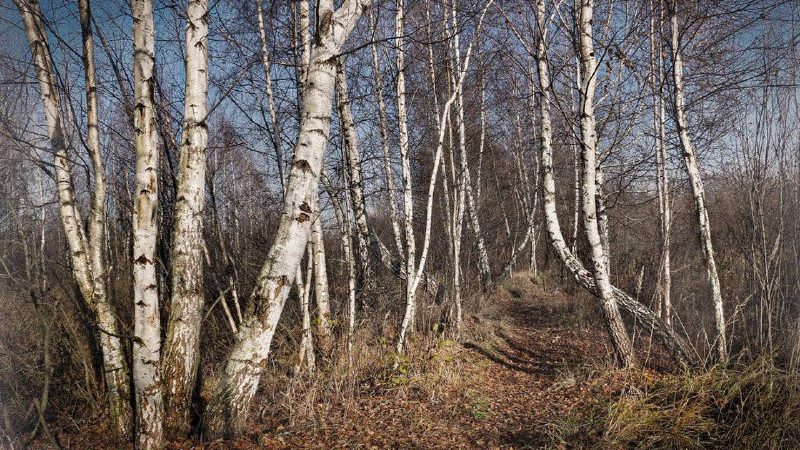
507,386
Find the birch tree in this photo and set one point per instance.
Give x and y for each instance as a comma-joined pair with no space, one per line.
677,346
147,324
230,401
696,181
86,246
599,255
182,345
353,163
662,176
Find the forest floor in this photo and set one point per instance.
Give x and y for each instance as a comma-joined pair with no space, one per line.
527,374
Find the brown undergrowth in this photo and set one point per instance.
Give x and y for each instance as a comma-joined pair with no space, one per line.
531,369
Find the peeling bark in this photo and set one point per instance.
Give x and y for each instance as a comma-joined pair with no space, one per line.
230,401
86,254
182,345
147,324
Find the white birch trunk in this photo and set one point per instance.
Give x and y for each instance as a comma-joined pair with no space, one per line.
182,345
599,256
273,113
321,293
228,407
690,161
304,294
88,262
383,123
674,343
147,324
408,200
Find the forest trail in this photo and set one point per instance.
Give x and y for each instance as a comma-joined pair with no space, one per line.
520,370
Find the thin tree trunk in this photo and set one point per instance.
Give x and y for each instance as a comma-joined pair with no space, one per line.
387,162
665,207
414,277
353,161
690,160
321,293
182,345
408,200
230,401
273,114
304,294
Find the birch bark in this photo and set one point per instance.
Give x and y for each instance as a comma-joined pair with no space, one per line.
182,345
147,324
88,263
674,343
698,192
353,161
229,404
599,256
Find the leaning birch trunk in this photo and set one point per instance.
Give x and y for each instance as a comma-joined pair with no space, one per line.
88,263
147,324
690,160
675,344
182,346
599,256
356,184
230,400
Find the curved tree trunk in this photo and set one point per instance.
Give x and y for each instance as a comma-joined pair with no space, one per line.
230,401
679,348
599,256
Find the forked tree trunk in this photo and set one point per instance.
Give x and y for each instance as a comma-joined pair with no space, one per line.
690,160
230,401
677,346
182,346
147,324
87,256
599,256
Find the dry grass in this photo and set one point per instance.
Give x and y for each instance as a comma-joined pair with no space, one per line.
750,407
